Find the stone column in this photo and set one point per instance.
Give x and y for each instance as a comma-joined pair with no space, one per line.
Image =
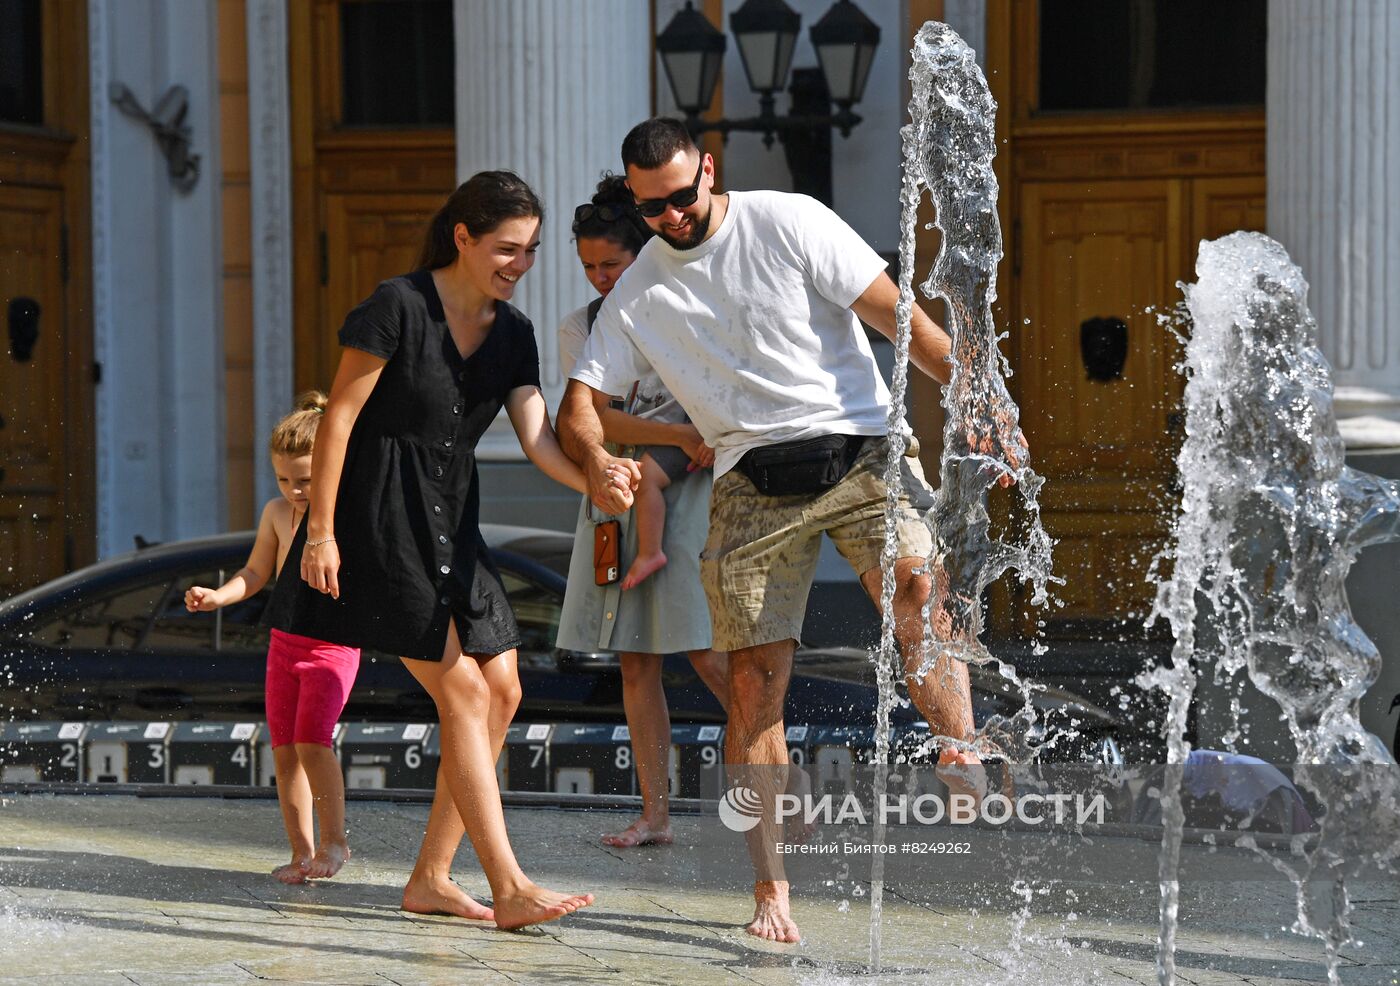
548,90
270,160
1334,192
157,276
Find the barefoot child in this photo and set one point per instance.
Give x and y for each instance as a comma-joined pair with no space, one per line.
660,466
308,681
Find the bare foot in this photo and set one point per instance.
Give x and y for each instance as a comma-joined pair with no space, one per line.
642,567
424,896
640,833
535,905
963,772
294,872
327,862
772,919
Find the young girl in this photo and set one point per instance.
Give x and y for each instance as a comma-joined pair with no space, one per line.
308,681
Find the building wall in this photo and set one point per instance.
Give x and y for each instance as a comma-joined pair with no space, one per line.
243,444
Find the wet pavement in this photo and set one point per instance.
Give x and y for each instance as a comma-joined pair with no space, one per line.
115,889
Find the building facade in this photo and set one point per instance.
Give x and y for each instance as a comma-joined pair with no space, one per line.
168,295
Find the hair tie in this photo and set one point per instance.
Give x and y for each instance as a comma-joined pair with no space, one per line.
319,410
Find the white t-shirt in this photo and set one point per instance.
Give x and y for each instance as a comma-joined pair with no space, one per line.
651,399
751,330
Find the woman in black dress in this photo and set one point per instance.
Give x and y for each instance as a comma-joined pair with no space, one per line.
393,558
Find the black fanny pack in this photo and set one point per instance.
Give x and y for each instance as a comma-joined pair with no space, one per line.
808,465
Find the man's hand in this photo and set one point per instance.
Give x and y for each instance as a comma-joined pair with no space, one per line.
611,481
995,433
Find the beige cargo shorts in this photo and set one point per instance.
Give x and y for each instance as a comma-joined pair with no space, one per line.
762,551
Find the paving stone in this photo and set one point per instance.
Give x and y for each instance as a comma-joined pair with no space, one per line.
114,889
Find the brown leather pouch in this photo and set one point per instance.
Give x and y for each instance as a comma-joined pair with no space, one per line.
607,552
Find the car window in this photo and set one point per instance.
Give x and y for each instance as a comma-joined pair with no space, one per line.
537,612
115,620
239,629
176,628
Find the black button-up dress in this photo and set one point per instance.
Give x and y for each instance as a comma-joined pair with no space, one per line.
406,515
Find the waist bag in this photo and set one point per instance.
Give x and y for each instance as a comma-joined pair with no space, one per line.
808,465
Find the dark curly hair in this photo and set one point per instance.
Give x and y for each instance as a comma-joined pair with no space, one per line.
613,216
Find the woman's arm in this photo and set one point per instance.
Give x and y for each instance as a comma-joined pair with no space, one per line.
249,579
354,382
622,428
530,417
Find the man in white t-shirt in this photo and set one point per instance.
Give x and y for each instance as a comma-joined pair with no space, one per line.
745,304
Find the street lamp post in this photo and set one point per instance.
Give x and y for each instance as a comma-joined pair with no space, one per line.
692,52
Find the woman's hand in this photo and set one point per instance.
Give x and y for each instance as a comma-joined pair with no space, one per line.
688,440
320,567
199,599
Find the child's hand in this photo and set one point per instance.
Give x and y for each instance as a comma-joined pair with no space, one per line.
198,599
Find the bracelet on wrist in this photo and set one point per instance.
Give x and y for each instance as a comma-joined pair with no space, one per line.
317,544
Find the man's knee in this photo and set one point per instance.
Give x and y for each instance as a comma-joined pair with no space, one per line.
758,676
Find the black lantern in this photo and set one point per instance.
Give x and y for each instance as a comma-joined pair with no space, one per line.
845,40
767,33
692,51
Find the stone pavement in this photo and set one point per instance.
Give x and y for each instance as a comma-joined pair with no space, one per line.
114,889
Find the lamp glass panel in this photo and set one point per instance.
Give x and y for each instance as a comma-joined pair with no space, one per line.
838,65
786,44
686,73
760,53
865,57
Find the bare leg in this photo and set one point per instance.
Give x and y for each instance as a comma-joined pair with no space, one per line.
943,695
430,888
463,698
649,508
758,682
713,668
328,794
294,798
649,723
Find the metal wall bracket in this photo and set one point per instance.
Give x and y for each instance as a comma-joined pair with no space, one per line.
167,123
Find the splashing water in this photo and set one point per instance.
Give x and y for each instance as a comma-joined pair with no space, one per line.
1270,521
948,150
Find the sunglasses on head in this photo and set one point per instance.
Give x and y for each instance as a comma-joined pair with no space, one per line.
651,208
608,212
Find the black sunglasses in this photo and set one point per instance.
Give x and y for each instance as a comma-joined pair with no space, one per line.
608,212
651,208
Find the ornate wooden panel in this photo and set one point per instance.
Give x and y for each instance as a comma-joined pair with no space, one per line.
1109,251
369,237
32,369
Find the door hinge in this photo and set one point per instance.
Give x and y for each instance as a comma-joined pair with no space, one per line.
63,270
96,372
323,248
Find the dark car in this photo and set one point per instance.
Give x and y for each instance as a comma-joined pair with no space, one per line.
114,641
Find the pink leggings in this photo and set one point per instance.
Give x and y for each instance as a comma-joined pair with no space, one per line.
308,684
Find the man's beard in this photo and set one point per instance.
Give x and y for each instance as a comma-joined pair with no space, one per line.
699,226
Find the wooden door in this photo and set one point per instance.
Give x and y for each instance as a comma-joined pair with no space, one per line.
47,491
1096,254
367,173
369,237
1223,205
32,369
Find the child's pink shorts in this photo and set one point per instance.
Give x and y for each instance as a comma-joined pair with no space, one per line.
308,684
